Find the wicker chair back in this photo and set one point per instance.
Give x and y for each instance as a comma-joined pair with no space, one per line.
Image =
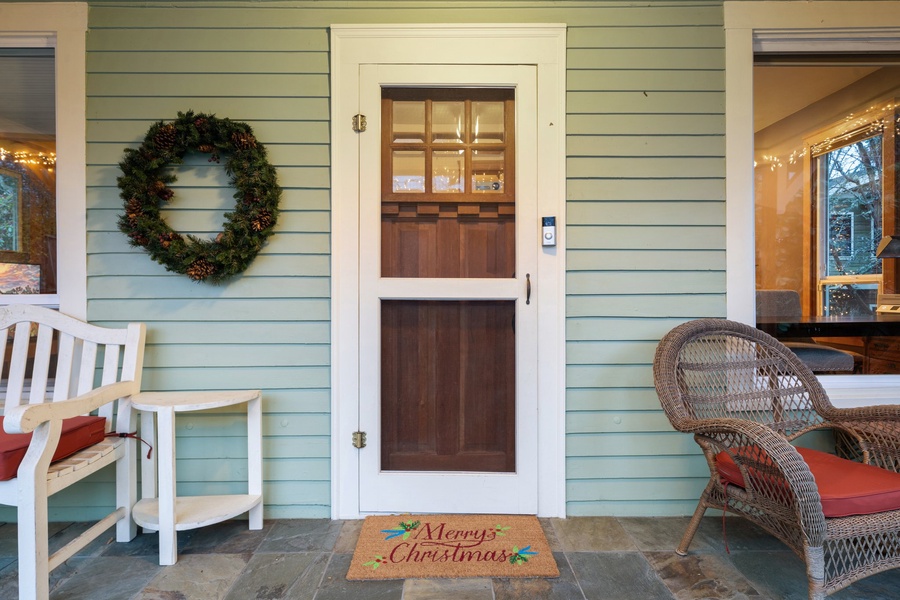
713,368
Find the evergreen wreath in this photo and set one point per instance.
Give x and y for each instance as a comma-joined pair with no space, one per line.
144,186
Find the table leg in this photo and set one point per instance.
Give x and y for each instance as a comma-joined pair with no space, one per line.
168,540
254,459
148,463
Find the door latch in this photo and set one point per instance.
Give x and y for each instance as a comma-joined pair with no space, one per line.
359,439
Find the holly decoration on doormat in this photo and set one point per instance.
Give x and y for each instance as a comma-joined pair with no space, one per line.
406,528
144,187
519,557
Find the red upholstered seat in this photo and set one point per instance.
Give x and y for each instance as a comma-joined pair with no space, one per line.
77,433
845,487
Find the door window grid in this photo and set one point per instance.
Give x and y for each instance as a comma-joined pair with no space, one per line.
439,142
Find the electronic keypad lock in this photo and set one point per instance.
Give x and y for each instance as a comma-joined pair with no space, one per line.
548,231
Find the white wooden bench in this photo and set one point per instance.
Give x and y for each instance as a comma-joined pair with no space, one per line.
55,368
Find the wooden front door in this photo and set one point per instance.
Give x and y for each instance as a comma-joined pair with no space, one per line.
448,254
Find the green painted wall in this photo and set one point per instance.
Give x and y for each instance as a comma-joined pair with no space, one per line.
646,232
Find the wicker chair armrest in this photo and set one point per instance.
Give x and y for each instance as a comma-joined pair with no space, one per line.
789,481
874,412
878,440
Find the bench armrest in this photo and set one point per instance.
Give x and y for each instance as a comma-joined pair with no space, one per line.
27,417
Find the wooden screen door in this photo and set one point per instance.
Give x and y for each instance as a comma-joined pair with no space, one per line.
449,238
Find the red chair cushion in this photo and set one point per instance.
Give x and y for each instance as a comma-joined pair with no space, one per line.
845,487
77,433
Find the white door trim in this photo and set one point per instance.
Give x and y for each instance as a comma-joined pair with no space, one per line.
351,46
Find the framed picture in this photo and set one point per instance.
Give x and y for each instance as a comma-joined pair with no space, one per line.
20,279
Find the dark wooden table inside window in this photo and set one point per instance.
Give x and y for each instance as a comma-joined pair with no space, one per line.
877,337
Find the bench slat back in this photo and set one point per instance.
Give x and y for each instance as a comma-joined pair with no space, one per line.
48,356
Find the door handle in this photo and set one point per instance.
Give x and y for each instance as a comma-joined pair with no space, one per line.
527,288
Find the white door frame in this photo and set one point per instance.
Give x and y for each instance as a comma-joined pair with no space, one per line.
351,46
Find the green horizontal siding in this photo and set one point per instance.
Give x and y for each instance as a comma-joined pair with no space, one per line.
268,328
646,242
645,228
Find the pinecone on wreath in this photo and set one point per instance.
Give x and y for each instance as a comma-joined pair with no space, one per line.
200,269
262,220
166,239
243,141
133,209
159,188
165,137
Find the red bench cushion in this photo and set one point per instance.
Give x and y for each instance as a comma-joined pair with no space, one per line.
845,487
77,433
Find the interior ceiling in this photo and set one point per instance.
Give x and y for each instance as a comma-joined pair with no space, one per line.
779,92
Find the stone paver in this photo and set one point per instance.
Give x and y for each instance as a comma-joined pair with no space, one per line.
307,559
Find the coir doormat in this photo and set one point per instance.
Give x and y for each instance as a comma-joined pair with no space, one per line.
404,547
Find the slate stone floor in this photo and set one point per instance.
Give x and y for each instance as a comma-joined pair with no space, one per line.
599,558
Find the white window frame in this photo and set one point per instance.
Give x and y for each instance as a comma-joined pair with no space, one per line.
61,25
777,26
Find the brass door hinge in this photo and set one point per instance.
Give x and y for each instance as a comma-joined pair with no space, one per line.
359,439
359,123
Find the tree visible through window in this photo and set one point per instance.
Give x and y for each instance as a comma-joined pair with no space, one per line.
850,196
10,192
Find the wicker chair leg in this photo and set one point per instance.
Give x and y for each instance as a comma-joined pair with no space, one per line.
815,572
688,536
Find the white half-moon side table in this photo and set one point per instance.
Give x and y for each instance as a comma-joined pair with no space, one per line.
163,511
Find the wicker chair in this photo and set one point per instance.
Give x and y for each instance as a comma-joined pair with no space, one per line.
746,397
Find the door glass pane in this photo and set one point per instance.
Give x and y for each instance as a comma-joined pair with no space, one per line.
408,122
487,171
447,168
448,385
409,171
487,122
27,171
448,121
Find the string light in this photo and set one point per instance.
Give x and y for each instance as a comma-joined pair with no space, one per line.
775,162
851,126
44,159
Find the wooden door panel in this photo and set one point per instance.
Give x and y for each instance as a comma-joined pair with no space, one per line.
448,386
487,247
471,240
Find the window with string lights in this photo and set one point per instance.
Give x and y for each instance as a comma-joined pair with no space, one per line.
28,254
826,148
